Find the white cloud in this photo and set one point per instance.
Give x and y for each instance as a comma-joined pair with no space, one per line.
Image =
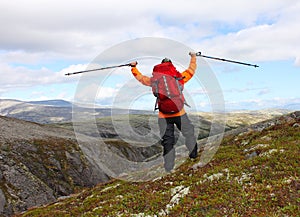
91,92
21,76
22,57
265,42
105,93
263,91
78,28
38,32
35,35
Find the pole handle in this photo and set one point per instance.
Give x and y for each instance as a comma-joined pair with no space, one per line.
133,64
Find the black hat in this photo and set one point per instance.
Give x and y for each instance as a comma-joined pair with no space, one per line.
165,60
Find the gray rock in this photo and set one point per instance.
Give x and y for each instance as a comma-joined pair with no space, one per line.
296,125
2,201
251,155
24,189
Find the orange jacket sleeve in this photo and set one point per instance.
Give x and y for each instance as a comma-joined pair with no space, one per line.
190,71
145,80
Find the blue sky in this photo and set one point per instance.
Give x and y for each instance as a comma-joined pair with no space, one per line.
40,42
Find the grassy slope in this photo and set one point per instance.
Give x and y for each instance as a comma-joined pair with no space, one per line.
230,185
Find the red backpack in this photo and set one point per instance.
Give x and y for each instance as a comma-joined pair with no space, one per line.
167,86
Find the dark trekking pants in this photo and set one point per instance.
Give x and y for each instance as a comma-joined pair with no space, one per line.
166,128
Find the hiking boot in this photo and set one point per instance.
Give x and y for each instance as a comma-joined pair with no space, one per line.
194,153
170,171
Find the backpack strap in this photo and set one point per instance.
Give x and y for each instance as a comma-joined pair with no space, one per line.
180,88
155,88
156,105
166,85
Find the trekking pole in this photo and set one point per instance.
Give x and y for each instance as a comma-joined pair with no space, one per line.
222,59
108,67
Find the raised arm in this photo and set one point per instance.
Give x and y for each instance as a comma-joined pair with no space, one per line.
190,71
145,80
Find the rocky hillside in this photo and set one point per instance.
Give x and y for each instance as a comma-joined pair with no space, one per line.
255,172
40,163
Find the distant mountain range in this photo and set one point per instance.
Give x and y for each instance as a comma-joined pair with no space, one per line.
293,106
55,102
61,111
54,111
